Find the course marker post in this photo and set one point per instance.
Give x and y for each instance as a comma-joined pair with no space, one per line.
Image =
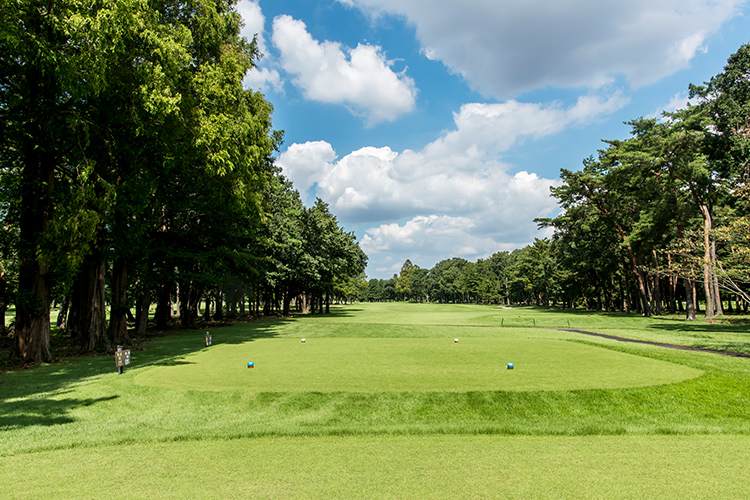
122,358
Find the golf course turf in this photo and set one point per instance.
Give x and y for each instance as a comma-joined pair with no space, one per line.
412,364
380,401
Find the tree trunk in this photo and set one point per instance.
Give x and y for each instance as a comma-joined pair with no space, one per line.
707,285
62,315
219,305
718,307
689,300
643,291
178,301
638,273
672,294
710,280
163,312
189,297
266,301
657,295
207,311
87,307
672,287
32,332
118,313
141,316
287,302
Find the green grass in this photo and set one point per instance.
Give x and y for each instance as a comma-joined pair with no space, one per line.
380,402
411,365
393,467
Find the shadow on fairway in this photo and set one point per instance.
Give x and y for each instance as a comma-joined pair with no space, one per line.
170,350
37,396
738,324
335,312
24,393
43,412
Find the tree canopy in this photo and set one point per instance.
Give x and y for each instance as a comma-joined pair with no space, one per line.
136,169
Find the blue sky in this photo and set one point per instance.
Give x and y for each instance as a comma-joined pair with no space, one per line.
435,128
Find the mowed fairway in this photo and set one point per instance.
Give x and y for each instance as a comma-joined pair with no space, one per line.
381,402
412,364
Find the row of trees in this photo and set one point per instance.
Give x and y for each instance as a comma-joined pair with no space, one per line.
495,280
654,223
665,208
136,169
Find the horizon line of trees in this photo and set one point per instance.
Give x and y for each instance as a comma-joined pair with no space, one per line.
654,223
135,169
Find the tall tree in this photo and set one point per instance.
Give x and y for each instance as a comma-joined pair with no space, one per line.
404,280
48,67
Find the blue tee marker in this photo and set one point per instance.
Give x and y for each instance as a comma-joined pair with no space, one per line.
250,364
510,366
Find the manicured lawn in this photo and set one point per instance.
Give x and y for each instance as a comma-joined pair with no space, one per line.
452,466
379,401
412,364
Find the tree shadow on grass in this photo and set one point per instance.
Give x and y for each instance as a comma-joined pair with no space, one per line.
335,312
43,412
729,324
37,395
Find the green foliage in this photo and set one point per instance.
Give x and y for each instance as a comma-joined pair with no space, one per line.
133,146
726,99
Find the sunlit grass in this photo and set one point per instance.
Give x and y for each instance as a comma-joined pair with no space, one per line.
392,467
282,435
411,365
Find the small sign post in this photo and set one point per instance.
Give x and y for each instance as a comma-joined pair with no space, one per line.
208,339
122,358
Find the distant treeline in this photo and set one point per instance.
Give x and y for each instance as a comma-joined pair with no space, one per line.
654,223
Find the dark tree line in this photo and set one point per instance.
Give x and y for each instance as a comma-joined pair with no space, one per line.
135,170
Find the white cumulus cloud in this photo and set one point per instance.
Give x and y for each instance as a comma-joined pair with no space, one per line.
360,78
459,173
454,197
259,78
263,79
506,48
680,100
303,163
254,22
